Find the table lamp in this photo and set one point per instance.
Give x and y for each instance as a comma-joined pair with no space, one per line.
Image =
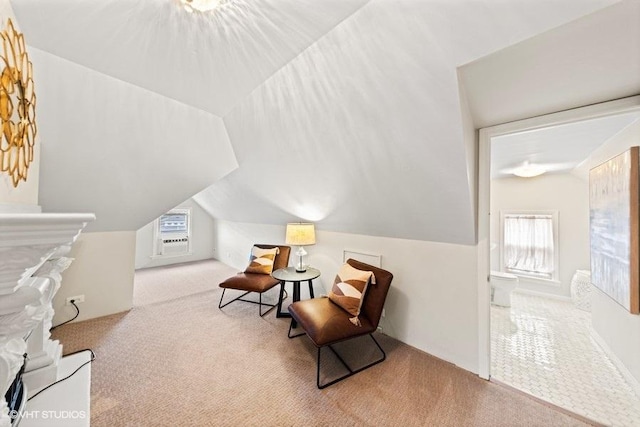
301,234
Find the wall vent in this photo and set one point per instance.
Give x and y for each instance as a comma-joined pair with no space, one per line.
368,258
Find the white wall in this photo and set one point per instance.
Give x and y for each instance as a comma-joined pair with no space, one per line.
432,304
470,136
120,151
617,328
202,240
566,67
564,193
102,271
26,193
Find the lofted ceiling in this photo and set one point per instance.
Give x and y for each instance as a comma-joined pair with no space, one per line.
208,61
343,112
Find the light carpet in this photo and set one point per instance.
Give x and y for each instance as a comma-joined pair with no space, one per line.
179,360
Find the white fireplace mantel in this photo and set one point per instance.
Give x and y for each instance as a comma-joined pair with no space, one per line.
28,240
32,249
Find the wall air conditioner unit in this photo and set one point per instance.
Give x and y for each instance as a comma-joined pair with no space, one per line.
173,233
174,245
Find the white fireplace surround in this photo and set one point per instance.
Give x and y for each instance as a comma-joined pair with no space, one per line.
32,249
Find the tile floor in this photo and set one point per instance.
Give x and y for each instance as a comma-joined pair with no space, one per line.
544,347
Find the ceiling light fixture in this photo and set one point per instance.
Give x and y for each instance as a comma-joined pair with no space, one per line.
202,5
528,170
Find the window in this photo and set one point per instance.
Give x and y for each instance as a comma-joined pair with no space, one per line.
529,244
174,222
173,233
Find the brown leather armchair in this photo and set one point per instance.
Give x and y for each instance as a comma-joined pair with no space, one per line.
253,282
325,323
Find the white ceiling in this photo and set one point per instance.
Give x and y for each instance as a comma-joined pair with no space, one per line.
347,113
208,61
557,149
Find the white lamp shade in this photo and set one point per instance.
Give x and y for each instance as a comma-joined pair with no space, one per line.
301,234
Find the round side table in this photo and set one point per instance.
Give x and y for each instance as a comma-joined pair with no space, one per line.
290,274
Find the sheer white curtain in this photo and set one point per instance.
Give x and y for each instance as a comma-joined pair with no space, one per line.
528,244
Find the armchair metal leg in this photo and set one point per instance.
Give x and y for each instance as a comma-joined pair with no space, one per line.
272,306
296,335
260,303
351,371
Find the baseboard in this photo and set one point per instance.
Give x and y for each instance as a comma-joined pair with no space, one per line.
543,295
628,376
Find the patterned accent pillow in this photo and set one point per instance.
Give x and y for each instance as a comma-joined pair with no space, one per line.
261,260
349,288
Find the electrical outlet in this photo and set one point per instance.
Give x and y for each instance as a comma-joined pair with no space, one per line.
76,300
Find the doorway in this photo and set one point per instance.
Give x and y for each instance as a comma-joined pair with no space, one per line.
529,309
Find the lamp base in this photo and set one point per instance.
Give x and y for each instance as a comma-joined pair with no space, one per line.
300,267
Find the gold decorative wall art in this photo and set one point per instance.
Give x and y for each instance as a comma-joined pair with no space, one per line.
17,106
